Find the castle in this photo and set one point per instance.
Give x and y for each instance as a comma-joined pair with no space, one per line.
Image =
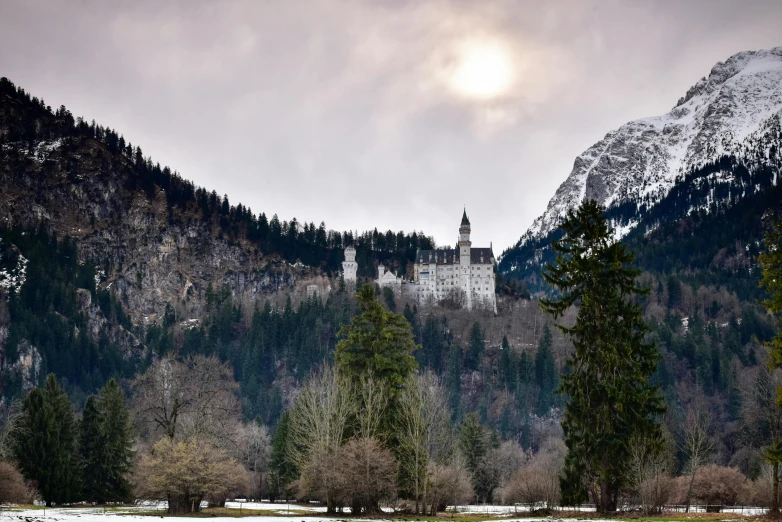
464,275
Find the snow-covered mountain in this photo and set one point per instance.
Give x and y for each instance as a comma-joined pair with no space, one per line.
642,160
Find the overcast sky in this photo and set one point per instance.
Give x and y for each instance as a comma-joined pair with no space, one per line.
387,114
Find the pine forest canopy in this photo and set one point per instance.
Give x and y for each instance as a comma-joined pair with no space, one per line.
28,121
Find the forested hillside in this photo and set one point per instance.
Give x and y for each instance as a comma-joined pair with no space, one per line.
99,243
110,262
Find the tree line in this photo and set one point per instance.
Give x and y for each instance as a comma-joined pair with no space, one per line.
374,424
32,121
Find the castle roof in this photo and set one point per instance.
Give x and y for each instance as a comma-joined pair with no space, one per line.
450,256
465,221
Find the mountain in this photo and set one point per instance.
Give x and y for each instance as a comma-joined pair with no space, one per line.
730,118
155,237
99,246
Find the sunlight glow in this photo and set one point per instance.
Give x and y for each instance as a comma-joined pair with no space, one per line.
483,70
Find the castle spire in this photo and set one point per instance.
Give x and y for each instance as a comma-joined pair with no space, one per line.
465,221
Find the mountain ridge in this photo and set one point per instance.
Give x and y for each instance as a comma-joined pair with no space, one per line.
642,159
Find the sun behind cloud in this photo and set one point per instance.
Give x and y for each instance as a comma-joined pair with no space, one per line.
482,70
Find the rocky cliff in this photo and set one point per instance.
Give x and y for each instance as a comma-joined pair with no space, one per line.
148,251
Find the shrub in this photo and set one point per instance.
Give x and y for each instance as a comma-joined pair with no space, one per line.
720,485
187,473
448,485
13,488
537,483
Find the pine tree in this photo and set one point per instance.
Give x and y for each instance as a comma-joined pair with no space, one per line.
507,368
46,446
454,379
90,442
610,399
117,444
473,441
475,351
546,373
378,342
771,264
282,470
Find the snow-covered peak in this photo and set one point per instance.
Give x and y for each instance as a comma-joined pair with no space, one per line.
641,160
736,64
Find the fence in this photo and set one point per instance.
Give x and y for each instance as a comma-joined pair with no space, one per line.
520,508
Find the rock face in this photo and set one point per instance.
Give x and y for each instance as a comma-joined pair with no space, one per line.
642,160
147,252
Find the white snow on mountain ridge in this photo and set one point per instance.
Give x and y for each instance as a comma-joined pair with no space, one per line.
642,160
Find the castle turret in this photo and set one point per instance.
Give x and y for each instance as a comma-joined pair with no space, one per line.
465,245
349,265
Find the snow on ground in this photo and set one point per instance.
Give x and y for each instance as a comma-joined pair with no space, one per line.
126,513
131,513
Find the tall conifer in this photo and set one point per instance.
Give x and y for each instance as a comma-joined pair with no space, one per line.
117,443
46,443
771,264
89,446
546,373
610,399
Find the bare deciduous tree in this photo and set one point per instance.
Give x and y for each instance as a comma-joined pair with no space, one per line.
537,482
425,432
13,488
763,419
448,485
318,425
10,414
321,478
648,472
369,472
193,398
719,485
510,458
254,451
696,442
372,399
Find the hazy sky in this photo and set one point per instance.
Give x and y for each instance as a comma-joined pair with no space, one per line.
386,114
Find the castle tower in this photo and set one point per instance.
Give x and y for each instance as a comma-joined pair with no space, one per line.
465,246
349,265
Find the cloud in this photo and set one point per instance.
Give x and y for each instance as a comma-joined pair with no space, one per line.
338,110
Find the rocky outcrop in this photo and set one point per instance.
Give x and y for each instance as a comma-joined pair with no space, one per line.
147,252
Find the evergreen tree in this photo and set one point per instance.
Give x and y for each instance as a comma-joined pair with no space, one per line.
473,441
546,373
507,368
610,399
771,264
378,342
90,442
46,445
390,299
117,444
475,351
454,380
282,470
